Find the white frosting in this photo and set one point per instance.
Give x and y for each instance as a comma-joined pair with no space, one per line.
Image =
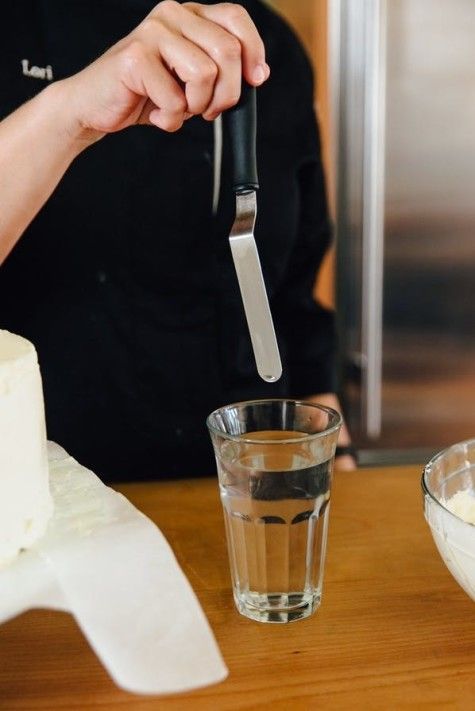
454,536
25,501
462,504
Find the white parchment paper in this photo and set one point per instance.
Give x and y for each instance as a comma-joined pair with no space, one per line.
112,568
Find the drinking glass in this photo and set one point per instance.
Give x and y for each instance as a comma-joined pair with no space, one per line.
275,461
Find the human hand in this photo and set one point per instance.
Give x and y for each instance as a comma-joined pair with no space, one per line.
345,459
182,60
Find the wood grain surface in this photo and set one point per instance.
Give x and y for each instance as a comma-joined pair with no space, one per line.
394,630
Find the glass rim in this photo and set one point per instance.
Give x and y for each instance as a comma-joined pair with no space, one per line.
429,467
336,416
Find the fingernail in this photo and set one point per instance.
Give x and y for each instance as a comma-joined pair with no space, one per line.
211,117
260,74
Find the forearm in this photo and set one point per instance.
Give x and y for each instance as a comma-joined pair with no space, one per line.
37,144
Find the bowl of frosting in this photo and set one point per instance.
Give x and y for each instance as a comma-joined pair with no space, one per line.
448,487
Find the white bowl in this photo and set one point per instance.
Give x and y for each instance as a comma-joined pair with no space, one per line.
450,471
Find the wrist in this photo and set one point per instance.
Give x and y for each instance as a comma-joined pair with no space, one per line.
60,106
346,450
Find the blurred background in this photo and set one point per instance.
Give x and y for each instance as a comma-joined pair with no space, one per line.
395,98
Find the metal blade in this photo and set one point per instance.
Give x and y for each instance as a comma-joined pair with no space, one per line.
253,290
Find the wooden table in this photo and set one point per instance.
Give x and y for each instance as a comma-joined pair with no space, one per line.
394,630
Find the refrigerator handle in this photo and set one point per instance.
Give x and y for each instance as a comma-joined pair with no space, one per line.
373,214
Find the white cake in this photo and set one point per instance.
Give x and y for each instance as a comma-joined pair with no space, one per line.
25,501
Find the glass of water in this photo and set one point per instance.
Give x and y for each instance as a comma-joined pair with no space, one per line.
275,463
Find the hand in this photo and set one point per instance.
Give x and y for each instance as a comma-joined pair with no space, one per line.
182,60
344,462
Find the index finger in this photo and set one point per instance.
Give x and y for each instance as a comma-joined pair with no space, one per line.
237,22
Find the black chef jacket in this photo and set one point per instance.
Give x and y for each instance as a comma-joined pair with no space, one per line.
124,281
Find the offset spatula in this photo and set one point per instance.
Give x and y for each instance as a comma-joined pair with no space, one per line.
240,129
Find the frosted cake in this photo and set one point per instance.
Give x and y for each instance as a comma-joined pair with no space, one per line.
25,501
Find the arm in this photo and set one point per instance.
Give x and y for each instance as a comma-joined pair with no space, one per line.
312,340
309,328
37,144
182,60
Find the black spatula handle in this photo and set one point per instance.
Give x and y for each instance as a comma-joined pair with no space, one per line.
240,130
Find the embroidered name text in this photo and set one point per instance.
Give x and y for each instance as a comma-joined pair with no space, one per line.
37,72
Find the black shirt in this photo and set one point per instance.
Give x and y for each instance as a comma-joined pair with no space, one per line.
124,281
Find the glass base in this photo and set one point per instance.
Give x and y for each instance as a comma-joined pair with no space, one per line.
277,607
